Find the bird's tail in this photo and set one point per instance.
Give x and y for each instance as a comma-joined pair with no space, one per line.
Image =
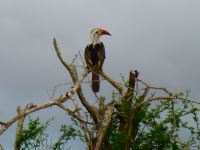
95,82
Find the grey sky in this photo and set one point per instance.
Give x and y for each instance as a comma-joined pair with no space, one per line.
158,38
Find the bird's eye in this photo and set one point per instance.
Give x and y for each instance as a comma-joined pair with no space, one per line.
97,32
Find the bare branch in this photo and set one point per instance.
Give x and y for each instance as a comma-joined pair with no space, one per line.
74,75
31,110
2,123
155,88
74,59
131,87
59,54
144,94
19,124
104,126
82,59
81,122
101,107
71,113
169,98
188,100
118,86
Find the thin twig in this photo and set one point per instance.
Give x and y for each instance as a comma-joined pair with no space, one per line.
113,83
155,88
31,110
74,59
74,75
62,99
104,126
169,98
62,106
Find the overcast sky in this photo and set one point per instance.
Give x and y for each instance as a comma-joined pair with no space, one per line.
159,38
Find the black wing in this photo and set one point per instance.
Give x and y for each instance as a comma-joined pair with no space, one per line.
87,56
101,55
95,55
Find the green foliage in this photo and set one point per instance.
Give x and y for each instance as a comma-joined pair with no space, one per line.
125,82
158,126
162,125
126,109
33,136
66,134
117,139
80,133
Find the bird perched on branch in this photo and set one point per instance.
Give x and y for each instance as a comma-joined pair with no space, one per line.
95,55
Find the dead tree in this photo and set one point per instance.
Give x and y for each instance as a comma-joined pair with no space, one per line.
102,114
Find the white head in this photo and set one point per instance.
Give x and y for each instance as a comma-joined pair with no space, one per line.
96,33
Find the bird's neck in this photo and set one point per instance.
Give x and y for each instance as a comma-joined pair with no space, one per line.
95,40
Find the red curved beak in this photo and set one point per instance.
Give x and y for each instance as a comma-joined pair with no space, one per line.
104,32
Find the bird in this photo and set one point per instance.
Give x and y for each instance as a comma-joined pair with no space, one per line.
95,55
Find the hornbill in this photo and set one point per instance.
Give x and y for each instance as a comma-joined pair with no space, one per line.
95,55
